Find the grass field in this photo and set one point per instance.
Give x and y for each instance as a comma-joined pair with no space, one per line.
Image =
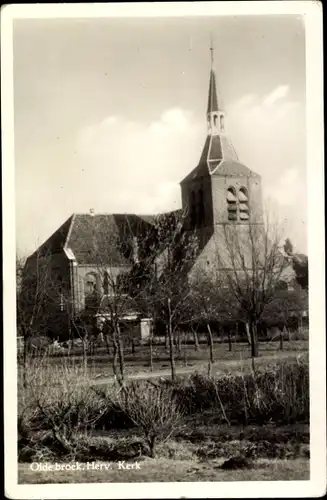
197,454
165,470
262,416
137,364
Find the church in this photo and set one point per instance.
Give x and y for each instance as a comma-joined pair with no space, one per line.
220,192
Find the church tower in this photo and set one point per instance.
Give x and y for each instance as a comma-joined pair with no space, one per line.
220,190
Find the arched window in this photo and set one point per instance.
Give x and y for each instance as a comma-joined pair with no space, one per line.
200,207
90,284
222,123
243,200
193,209
91,291
231,204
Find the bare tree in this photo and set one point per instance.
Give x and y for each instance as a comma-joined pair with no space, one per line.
249,265
33,300
210,303
112,298
153,410
286,306
165,291
195,337
299,263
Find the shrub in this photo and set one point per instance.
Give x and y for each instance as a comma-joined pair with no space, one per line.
114,416
279,394
60,403
153,410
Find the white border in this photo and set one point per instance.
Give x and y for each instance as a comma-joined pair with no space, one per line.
316,486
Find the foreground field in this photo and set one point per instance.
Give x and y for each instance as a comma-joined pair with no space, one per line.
137,365
197,454
165,470
241,425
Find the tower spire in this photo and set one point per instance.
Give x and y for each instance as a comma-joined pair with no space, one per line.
217,146
212,97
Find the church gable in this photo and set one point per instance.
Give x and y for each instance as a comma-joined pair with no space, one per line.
56,242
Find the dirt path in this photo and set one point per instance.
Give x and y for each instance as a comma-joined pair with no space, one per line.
219,368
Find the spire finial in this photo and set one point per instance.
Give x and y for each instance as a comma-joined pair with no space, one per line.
211,49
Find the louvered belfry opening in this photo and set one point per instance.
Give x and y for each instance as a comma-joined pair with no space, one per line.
238,204
231,204
243,199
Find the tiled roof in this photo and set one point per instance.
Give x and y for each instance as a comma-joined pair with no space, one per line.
56,241
218,158
107,237
231,168
200,171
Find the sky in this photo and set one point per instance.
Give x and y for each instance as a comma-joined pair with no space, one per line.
110,114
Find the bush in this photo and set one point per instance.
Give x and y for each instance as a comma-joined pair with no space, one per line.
59,406
153,410
59,403
279,394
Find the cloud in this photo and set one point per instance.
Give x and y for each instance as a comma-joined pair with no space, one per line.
137,167
177,119
288,189
277,94
268,133
141,164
